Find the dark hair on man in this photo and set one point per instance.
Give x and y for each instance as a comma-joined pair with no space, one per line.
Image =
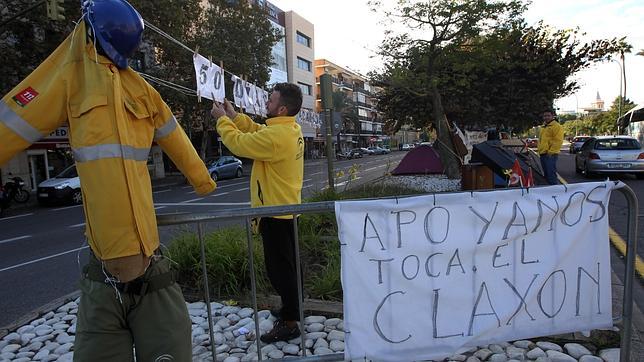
551,110
290,97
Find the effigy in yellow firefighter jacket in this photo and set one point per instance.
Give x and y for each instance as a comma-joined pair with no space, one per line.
114,117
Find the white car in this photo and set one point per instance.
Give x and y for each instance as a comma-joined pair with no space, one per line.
610,154
63,188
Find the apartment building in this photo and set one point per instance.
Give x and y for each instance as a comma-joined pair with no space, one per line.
361,125
293,59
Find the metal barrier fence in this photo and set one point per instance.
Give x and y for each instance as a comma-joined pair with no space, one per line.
329,206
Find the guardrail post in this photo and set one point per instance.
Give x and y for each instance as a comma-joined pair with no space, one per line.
631,253
253,282
204,270
300,292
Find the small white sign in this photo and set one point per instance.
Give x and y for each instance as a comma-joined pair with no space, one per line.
210,79
238,90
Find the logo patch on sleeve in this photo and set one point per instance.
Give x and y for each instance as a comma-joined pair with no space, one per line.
23,98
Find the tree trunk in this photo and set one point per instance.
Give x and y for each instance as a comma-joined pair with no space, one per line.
444,145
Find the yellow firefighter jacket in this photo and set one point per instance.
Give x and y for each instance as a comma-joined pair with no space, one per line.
114,116
277,149
550,139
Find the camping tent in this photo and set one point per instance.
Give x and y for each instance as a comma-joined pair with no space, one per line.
419,161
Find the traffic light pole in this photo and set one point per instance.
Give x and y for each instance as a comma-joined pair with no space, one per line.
330,154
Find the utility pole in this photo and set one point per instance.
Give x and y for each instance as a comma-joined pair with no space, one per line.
326,94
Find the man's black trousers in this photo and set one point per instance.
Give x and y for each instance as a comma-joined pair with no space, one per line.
279,257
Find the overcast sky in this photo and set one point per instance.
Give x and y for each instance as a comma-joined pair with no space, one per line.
347,33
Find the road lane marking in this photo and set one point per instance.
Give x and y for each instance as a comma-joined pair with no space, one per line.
618,242
158,192
14,239
77,225
222,186
41,259
620,245
197,199
204,204
65,208
186,187
373,168
159,208
17,216
235,184
228,192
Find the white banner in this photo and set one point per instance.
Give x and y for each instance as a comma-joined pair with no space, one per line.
238,91
210,79
424,277
250,96
260,101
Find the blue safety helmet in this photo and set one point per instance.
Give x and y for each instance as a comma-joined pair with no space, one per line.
117,27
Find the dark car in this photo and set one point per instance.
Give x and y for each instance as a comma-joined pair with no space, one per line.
610,154
225,167
347,155
577,142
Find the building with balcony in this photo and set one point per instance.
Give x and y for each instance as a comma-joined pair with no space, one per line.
360,124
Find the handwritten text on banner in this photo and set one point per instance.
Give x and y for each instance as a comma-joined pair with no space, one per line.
426,276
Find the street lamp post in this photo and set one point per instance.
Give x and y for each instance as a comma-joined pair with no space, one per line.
621,97
576,117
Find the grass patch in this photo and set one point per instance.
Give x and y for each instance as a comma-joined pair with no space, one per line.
227,251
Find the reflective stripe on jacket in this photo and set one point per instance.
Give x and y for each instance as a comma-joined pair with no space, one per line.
114,116
550,138
277,149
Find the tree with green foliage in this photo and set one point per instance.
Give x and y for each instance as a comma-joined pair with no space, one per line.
239,34
603,123
27,40
485,67
414,62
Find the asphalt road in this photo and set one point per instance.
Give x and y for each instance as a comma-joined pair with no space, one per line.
42,249
617,211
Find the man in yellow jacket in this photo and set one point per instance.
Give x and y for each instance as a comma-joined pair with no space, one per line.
128,291
550,141
277,149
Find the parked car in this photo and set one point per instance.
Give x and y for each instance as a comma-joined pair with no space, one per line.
347,155
225,167
407,147
577,142
532,142
378,150
363,151
610,154
62,188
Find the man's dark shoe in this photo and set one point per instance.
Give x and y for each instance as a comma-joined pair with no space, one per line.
280,332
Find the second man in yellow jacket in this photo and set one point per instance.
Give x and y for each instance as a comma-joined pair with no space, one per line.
277,149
